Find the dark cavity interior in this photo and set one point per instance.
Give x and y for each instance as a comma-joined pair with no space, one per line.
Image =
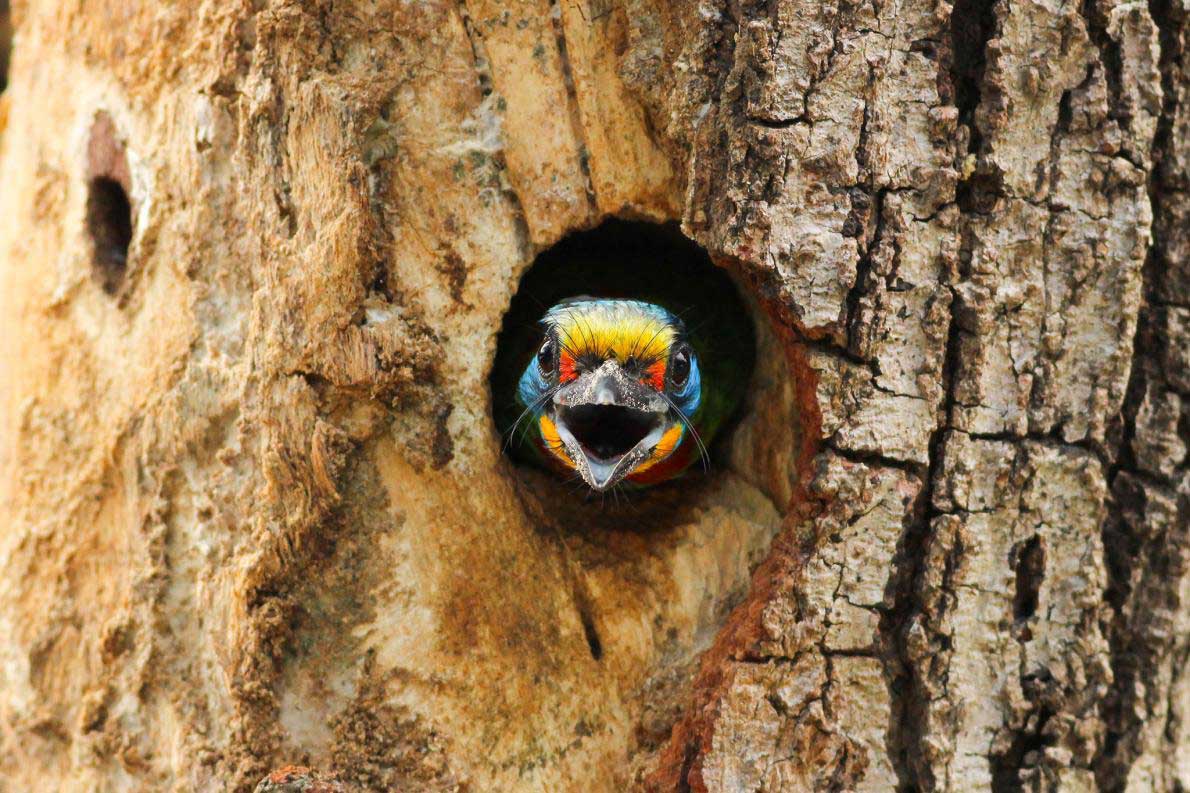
608,432
109,219
109,209
5,42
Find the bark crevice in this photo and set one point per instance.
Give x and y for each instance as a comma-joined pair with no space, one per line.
1146,533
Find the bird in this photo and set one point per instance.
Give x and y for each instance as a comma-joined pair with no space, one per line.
612,393
624,355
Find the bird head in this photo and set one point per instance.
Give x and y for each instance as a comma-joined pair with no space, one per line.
613,392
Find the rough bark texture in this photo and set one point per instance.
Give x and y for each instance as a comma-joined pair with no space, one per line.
255,511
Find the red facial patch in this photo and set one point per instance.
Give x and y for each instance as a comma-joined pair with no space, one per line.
566,364
655,375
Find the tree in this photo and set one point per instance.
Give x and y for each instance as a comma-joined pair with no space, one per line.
255,258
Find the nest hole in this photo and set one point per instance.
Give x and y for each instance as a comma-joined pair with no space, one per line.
109,211
5,42
109,222
651,262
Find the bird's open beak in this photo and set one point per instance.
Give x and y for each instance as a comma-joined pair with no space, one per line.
609,423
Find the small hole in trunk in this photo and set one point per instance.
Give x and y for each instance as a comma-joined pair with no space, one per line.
5,42
109,219
109,222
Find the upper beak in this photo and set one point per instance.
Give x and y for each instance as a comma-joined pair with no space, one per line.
609,423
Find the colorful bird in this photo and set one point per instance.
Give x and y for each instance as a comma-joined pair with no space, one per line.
616,390
615,393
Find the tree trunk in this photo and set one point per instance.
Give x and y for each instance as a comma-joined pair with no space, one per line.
255,257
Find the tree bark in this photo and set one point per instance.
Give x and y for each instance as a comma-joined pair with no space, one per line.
255,509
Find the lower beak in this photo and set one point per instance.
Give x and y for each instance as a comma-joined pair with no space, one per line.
607,442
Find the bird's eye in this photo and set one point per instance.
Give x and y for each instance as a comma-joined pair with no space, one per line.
679,366
545,357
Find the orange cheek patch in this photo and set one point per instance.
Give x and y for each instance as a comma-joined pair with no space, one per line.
664,448
553,441
655,375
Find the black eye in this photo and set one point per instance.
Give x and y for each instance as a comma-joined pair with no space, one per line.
679,366
545,357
